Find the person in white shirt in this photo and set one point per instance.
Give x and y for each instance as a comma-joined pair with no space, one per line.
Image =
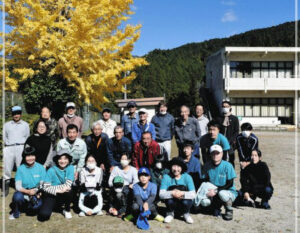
202,119
107,124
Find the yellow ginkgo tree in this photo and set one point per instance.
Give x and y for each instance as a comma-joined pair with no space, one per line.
86,42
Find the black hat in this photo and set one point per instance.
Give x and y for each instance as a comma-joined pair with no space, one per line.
131,104
178,161
29,150
60,154
106,110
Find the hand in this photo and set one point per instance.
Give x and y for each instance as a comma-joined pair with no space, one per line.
176,193
181,194
102,166
113,211
145,206
246,196
131,186
89,213
31,192
111,168
76,176
211,193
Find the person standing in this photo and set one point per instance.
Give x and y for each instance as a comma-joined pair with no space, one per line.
16,132
202,119
70,118
107,124
164,127
129,119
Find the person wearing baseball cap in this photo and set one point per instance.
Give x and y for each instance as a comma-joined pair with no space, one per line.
178,191
28,178
107,124
70,118
129,119
142,126
15,134
221,174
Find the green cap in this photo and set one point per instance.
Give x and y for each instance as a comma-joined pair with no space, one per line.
118,180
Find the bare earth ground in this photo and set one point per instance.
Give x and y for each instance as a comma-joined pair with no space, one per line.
278,151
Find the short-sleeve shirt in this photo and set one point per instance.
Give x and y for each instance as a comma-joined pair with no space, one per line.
56,176
185,180
218,175
222,141
31,176
151,190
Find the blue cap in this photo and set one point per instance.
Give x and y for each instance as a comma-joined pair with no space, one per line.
144,170
16,109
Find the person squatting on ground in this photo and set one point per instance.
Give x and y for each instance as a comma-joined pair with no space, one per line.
256,181
90,199
29,178
221,174
177,190
16,132
58,187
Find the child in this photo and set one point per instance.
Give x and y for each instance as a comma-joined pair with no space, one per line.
144,196
158,170
256,181
90,199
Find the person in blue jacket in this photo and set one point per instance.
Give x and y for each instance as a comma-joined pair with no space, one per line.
116,146
29,179
142,126
57,186
129,119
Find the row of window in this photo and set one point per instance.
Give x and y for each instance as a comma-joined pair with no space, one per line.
280,69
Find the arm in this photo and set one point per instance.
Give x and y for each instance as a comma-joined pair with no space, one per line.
152,130
134,133
163,193
82,158
172,127
112,176
135,178
240,149
81,205
190,194
198,131
228,184
98,207
53,189
138,200
135,156
110,154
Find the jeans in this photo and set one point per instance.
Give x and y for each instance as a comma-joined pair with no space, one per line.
20,202
183,206
223,196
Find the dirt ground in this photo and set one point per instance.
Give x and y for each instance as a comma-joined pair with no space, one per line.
278,150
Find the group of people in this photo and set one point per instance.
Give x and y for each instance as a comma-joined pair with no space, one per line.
131,164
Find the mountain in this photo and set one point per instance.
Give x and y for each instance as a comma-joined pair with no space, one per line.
177,73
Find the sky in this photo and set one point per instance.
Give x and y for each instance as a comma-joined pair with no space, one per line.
167,24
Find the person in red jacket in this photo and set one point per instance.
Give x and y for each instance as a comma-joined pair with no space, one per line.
145,151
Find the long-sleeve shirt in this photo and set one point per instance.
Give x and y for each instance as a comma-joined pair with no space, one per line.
130,176
15,132
108,127
98,147
231,131
127,123
64,121
142,195
115,148
164,126
187,132
138,130
91,179
97,208
245,146
203,121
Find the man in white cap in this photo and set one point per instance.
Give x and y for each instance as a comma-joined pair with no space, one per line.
142,126
221,174
16,132
70,118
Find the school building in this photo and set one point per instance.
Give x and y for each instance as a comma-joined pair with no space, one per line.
261,83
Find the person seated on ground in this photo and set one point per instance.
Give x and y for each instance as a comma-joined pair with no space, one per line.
142,126
192,163
159,169
90,199
107,124
116,145
178,191
58,187
121,197
221,174
145,151
256,181
213,137
29,177
144,196
42,143
75,147
246,143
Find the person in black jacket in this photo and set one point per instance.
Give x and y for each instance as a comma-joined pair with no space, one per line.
256,181
229,128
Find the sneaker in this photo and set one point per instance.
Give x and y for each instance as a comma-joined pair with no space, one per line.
100,213
228,210
159,218
11,217
169,219
188,218
128,218
67,214
265,205
81,214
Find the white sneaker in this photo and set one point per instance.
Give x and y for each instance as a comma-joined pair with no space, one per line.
188,218
168,219
100,213
11,217
81,214
67,214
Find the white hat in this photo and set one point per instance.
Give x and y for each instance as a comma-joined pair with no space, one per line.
143,110
70,104
215,148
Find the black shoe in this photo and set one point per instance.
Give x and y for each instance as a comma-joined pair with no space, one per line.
217,213
228,211
5,192
265,205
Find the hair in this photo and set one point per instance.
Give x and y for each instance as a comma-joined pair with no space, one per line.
96,123
45,106
258,152
118,127
200,104
37,124
214,123
185,106
162,103
88,156
246,126
226,101
128,155
146,132
72,126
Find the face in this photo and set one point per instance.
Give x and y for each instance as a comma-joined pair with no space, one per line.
254,157
97,130
216,157
16,117
119,134
91,160
213,131
199,111
132,109
71,111
30,159
146,139
188,151
176,170
63,161
143,116
106,116
72,134
185,112
45,113
226,105
41,128
144,179
163,108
